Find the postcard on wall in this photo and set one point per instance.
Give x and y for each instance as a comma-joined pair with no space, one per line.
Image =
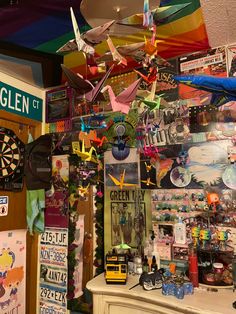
46,307
125,173
13,270
210,62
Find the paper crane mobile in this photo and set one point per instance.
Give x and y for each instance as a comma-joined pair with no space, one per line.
85,90
83,154
150,77
87,40
121,183
123,101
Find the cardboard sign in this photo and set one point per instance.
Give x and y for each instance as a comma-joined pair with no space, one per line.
3,206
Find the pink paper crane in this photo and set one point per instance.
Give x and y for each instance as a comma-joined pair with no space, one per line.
83,87
123,101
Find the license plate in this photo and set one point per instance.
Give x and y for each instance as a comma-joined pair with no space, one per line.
55,237
53,255
47,308
54,275
53,294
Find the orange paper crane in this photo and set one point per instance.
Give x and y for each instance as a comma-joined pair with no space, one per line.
121,182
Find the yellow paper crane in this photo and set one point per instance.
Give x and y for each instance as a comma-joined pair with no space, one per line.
83,190
148,182
83,154
121,182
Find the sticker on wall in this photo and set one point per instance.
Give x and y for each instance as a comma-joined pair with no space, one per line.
180,176
229,177
13,271
3,206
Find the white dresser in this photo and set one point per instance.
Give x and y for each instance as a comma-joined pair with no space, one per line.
118,299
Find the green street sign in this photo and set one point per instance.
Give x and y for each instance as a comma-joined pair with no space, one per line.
19,102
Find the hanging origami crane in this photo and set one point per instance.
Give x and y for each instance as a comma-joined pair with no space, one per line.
150,77
87,40
123,101
83,87
151,100
121,183
115,54
156,16
83,154
223,89
134,51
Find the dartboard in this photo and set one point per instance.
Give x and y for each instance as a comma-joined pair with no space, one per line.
11,160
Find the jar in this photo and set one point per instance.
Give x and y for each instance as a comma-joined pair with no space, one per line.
218,268
138,266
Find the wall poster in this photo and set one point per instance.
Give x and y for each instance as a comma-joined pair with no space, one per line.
12,271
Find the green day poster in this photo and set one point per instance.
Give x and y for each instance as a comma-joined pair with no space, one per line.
12,271
53,271
127,216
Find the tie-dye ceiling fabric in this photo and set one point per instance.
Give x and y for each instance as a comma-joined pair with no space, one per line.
46,25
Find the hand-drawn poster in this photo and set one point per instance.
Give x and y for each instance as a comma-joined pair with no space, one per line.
210,62
127,217
57,204
192,166
53,269
12,271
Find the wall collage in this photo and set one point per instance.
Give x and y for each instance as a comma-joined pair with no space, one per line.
144,170
149,168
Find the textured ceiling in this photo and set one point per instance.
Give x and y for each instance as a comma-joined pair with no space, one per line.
219,16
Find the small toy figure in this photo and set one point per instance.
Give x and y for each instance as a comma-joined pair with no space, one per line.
213,201
205,237
195,232
222,237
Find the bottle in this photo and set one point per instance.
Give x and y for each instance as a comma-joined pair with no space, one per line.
180,232
193,266
145,264
154,264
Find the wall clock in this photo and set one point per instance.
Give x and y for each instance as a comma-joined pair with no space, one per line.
11,160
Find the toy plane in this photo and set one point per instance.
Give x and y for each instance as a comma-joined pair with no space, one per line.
148,182
123,101
121,182
85,41
223,88
84,155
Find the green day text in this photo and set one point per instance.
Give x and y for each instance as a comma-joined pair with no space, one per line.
19,102
126,195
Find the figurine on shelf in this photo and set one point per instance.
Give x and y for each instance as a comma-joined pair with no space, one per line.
205,238
213,201
222,237
195,232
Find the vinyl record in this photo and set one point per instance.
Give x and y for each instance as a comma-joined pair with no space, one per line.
229,177
180,177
